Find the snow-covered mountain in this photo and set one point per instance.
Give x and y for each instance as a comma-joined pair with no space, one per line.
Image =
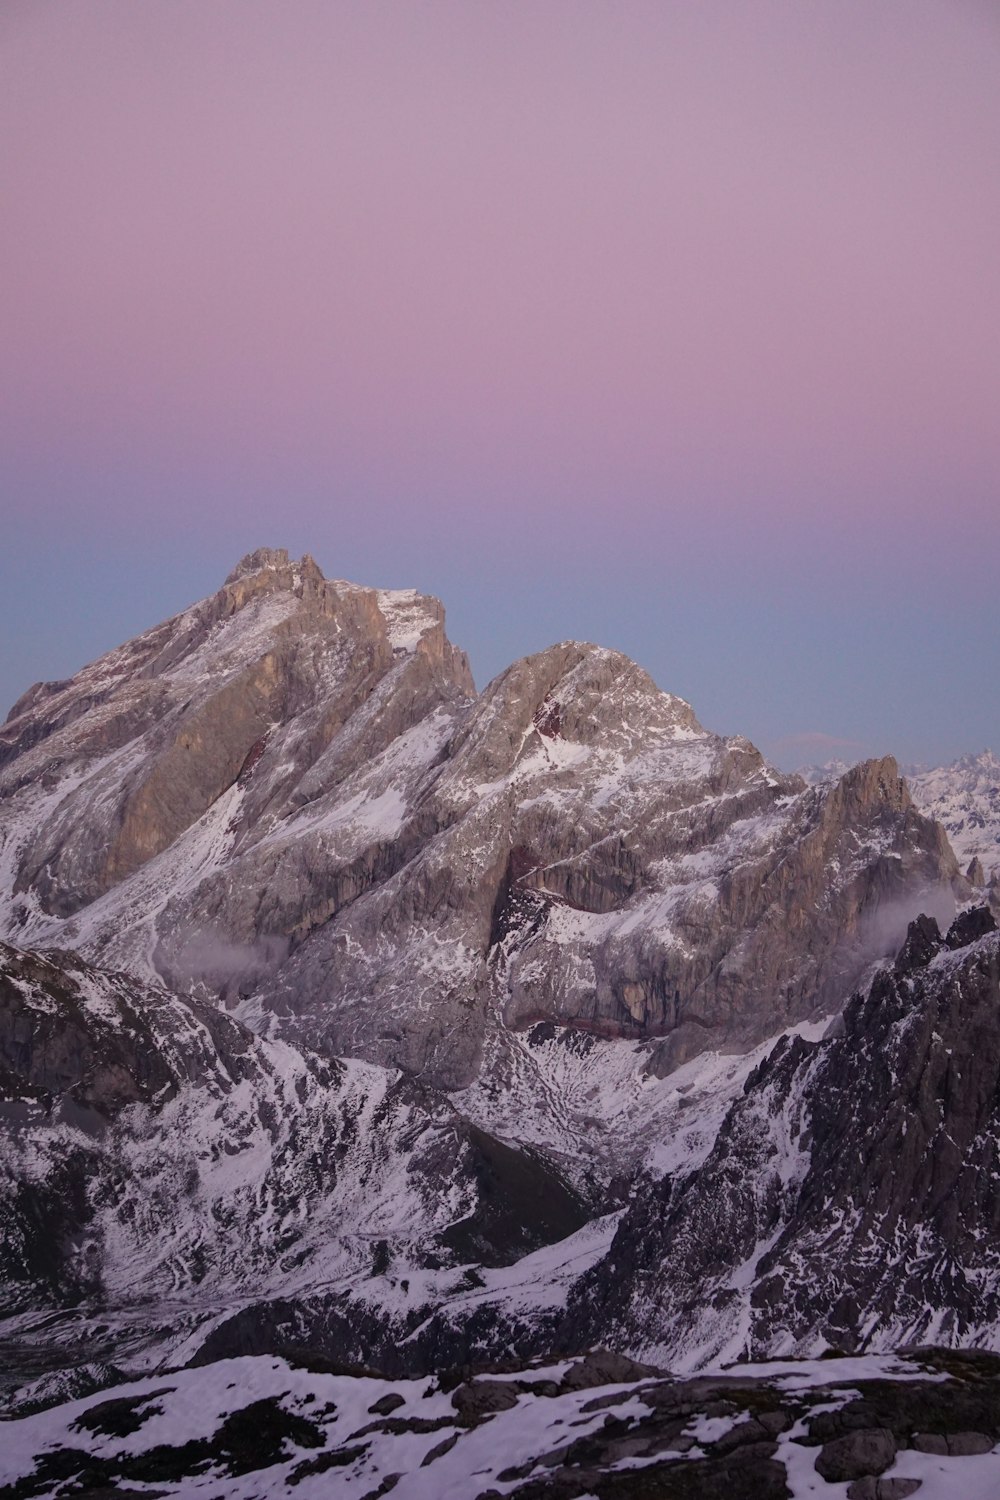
289,796
816,774
965,798
817,1217
344,1009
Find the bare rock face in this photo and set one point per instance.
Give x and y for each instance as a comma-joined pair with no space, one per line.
140,745
290,797
848,1200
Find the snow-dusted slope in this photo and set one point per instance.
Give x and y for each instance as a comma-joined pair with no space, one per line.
600,1426
965,798
161,1166
174,1187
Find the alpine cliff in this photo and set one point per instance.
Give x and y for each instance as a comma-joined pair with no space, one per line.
290,797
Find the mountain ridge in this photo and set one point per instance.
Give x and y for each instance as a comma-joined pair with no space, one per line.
290,797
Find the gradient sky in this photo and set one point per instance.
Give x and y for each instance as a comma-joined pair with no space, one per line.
674,326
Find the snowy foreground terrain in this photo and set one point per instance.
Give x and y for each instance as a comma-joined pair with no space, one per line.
596,1427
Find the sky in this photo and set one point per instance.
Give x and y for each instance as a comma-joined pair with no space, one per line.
672,326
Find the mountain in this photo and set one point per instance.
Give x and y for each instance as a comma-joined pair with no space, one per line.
965,798
830,770
159,1156
849,1200
290,797
349,1014
177,1189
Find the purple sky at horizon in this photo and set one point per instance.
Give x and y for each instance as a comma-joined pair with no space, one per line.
671,326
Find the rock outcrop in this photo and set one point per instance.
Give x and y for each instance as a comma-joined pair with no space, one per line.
597,1426
849,1200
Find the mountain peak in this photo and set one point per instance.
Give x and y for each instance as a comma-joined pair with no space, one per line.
274,559
257,561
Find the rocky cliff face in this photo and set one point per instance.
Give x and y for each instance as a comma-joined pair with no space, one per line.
581,955
850,1197
136,748
965,798
254,1200
290,797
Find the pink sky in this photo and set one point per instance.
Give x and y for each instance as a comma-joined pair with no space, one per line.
715,270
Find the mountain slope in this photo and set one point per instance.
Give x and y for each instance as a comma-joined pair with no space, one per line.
161,1166
289,798
850,1197
965,798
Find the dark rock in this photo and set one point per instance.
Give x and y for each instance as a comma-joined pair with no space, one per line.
969,926
481,1397
963,1444
123,1416
923,940
339,1458
774,1422
866,1451
604,1367
439,1450
396,1425
255,1436
882,1489
386,1404
521,1203
741,1436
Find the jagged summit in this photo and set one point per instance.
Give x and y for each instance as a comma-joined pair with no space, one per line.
262,557
267,557
334,987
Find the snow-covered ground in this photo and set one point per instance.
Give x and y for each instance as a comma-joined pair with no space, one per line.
246,1427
